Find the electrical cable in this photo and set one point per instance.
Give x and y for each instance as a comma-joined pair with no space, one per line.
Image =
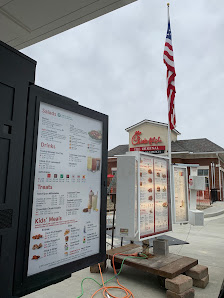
106,293
185,240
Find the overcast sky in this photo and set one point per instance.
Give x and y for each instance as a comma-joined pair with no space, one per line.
114,64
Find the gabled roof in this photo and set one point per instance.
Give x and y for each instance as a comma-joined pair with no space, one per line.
181,146
196,146
151,122
121,149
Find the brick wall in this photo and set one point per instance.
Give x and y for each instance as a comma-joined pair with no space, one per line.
204,162
111,164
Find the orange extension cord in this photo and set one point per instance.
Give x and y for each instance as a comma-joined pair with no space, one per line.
105,289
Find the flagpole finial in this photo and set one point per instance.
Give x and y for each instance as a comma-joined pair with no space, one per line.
168,4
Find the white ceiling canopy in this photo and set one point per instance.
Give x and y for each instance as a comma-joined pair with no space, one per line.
25,22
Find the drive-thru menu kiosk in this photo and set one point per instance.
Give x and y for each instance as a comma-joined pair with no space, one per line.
53,173
181,202
143,196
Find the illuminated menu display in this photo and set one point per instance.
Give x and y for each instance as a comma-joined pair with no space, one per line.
180,193
154,215
67,189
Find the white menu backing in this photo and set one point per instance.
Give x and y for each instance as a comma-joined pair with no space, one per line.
180,192
67,189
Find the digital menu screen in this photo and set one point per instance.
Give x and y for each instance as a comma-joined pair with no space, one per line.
65,223
154,215
180,193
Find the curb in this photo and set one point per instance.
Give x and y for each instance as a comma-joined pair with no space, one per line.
214,214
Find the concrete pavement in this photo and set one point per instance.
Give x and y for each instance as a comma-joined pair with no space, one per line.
206,244
217,208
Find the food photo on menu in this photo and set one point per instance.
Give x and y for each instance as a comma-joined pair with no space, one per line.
150,198
92,202
93,164
37,246
37,236
67,231
35,257
95,135
66,245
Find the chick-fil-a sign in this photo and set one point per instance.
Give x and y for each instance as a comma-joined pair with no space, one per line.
136,139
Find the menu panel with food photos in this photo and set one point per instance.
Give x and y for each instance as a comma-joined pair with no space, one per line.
65,223
180,194
153,195
161,195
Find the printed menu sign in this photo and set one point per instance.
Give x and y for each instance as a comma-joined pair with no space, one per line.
180,188
67,189
161,195
153,196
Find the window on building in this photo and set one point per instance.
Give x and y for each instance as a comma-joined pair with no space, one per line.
114,172
203,172
206,182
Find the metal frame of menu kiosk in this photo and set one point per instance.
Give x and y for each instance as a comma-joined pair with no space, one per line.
187,195
22,283
137,155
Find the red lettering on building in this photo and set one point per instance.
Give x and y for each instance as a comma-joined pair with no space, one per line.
148,148
136,140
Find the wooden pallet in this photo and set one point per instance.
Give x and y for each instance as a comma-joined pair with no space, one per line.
168,266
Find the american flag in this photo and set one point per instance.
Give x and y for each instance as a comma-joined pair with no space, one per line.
169,61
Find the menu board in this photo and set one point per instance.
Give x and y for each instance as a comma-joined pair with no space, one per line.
180,193
67,189
153,196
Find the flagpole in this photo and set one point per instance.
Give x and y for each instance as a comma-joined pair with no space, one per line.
169,145
169,134
170,168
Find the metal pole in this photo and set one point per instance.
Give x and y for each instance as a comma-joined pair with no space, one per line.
222,186
219,178
169,143
212,175
170,162
113,225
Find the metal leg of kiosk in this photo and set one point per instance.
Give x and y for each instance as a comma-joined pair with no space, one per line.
196,217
